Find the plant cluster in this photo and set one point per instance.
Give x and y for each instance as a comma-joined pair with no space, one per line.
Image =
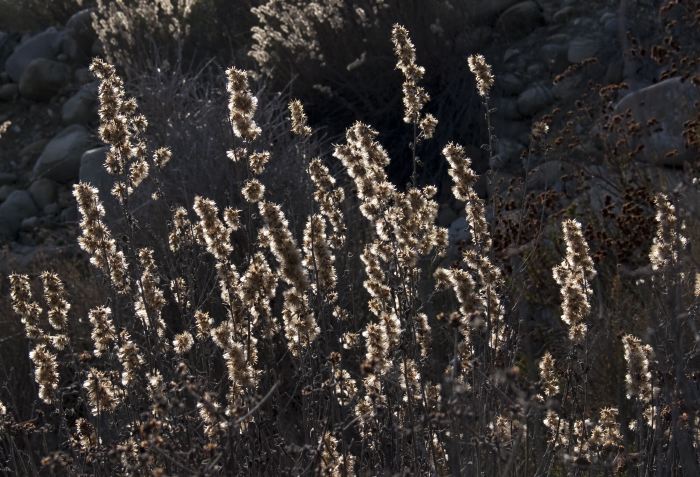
356,347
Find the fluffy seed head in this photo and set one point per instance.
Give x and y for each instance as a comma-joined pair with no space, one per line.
482,72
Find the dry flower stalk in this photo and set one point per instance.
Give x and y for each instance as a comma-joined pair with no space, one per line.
574,275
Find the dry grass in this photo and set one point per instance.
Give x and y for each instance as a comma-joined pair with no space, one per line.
299,315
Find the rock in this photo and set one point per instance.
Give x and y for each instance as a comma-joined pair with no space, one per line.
535,70
83,76
677,183
582,48
508,108
69,214
43,78
8,41
93,172
30,152
508,153
446,215
510,54
500,182
547,175
46,44
18,206
486,10
607,16
8,92
43,192
52,209
457,233
670,103
7,178
555,55
613,73
60,160
563,15
534,99
568,87
510,84
79,28
520,20
81,108
29,223
5,192
559,38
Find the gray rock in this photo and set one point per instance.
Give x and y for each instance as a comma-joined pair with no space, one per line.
568,87
510,84
81,108
671,103
499,183
93,172
446,215
7,178
510,54
547,175
29,153
559,38
8,92
613,73
555,55
43,192
43,78
607,16
69,214
508,108
612,26
487,10
18,206
582,48
563,15
457,233
534,99
5,191
83,76
46,44
30,223
535,70
60,160
80,25
8,41
70,51
508,153
65,197
520,20
52,209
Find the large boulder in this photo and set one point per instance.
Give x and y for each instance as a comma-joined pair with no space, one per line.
534,99
92,171
81,108
520,20
46,44
18,206
43,78
582,48
663,111
8,92
60,160
8,41
43,191
80,35
483,11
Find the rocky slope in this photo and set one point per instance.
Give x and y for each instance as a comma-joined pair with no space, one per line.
49,95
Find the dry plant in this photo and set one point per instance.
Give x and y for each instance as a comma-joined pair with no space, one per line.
345,342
